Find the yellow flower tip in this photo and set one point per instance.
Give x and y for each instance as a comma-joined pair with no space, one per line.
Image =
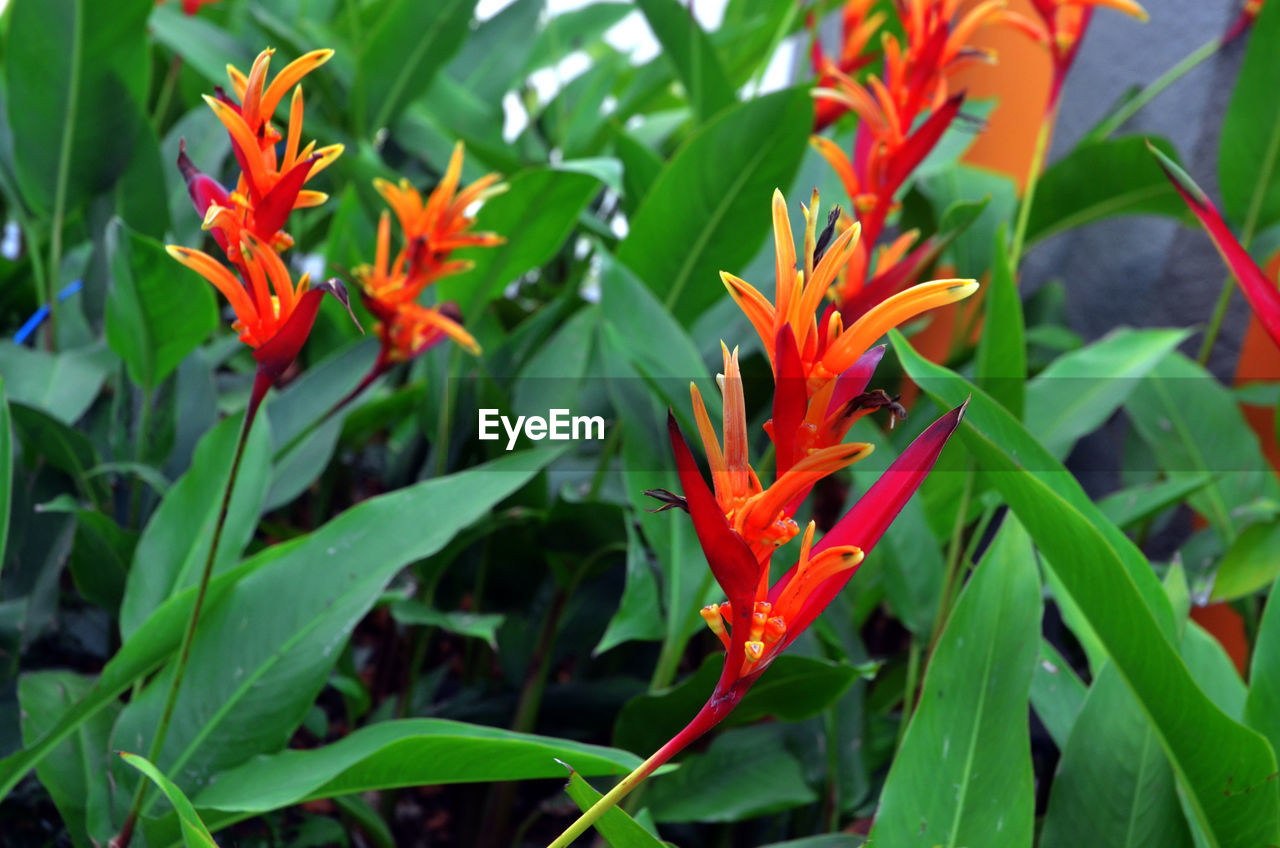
177,251
961,289
754,651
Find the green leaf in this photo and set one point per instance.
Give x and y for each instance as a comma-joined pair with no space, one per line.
194,833
77,75
406,752
1056,694
1251,563
100,556
493,56
156,314
709,208
1110,582
1099,180
175,543
401,52
64,385
690,53
67,773
1113,785
475,625
970,251
62,447
617,828
640,168
1249,148
1002,349
256,665
1136,504
639,614
963,773
1195,427
202,44
794,688
1262,706
746,772
1080,390
535,216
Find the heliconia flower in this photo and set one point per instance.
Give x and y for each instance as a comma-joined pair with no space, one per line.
432,230
901,119
270,185
273,315
1248,14
1060,26
1262,294
858,25
825,347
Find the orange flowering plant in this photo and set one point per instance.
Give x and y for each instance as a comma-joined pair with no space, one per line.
662,503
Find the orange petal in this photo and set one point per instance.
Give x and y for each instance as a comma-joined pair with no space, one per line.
213,271
903,306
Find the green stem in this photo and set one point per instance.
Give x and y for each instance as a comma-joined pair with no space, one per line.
1155,88
166,92
144,422
1028,195
260,386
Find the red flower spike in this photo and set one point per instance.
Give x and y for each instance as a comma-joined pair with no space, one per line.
1262,294
790,399
922,140
277,354
273,210
865,523
854,382
732,563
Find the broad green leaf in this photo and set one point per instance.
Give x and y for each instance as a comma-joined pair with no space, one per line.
690,53
406,752
493,56
535,216
256,665
1056,694
408,42
708,210
194,833
1251,563
63,447
1144,501
963,773
1249,148
63,385
970,251
639,614
45,696
1262,707
100,557
1002,349
476,625
1113,587
1100,180
829,840
175,543
1195,428
794,688
1214,670
1113,785
156,314
746,772
640,168
581,28
617,828
202,44
77,73
1080,390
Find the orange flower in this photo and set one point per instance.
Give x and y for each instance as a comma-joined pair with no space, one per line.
1060,26
273,315
901,118
269,186
432,230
